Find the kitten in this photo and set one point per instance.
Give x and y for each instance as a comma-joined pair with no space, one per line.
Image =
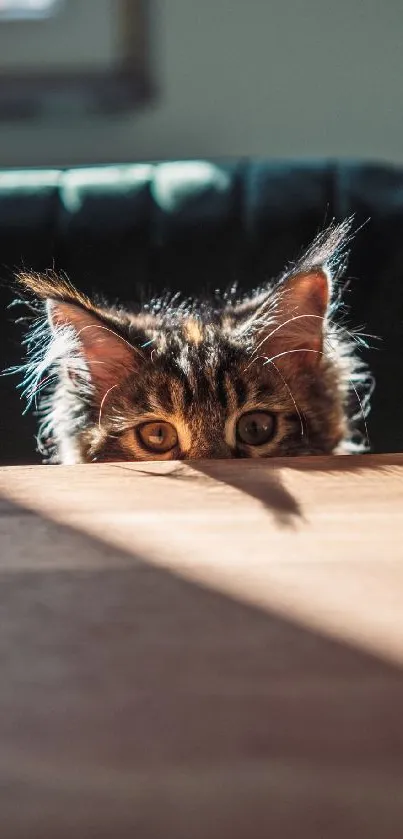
271,375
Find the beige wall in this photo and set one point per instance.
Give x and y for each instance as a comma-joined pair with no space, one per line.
250,77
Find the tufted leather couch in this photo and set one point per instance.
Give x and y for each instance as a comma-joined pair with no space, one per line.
202,225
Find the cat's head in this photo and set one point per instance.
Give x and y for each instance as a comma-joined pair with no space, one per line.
270,375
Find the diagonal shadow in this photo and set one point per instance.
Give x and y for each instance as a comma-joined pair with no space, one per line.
266,485
134,703
267,488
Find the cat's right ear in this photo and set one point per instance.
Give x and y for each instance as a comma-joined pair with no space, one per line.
106,354
85,338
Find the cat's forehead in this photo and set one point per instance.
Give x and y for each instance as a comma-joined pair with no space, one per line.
199,351
193,331
195,334
190,368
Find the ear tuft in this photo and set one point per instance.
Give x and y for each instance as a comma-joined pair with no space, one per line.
51,286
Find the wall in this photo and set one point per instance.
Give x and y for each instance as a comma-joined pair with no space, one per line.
64,39
250,77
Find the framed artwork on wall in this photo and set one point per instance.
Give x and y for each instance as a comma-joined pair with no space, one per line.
70,57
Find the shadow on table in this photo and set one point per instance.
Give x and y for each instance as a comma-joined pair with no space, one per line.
263,485
136,703
263,479
267,487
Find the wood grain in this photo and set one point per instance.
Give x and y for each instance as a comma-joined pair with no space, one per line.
208,649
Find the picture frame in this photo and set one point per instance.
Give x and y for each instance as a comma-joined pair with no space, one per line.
62,84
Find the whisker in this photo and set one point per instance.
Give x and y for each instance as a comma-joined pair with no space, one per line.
291,395
320,352
364,419
362,411
285,323
102,405
39,386
253,360
355,336
290,352
106,328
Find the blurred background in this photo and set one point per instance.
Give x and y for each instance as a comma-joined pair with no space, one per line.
315,84
210,78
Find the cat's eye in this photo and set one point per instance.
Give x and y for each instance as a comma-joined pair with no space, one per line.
256,428
157,436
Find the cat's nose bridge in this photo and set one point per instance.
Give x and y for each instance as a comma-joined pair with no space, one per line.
207,437
208,450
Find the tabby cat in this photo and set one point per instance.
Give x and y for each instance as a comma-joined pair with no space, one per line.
268,375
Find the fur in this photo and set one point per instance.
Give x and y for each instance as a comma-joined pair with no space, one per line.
97,373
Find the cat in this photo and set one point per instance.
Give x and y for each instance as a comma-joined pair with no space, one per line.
269,375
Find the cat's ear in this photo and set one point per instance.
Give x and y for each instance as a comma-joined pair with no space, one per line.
288,323
294,332
107,356
86,339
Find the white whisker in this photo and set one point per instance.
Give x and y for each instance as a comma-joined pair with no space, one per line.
253,360
364,419
290,352
291,395
362,411
106,328
320,352
285,323
38,388
102,404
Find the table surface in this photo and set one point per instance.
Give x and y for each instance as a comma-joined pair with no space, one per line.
210,649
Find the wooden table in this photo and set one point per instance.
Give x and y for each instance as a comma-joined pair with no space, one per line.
202,651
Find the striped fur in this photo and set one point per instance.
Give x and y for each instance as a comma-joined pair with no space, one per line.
98,372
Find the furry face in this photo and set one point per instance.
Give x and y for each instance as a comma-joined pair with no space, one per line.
269,375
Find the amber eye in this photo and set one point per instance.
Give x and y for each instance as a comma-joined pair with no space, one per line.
157,436
256,428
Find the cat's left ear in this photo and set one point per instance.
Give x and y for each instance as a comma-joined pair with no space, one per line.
288,323
290,327
301,316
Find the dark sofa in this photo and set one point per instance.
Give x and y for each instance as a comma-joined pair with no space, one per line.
199,225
